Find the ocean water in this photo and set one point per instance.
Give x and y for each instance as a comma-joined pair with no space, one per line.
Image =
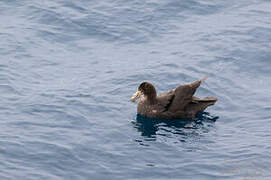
68,69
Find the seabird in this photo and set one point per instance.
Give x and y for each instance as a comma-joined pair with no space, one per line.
174,104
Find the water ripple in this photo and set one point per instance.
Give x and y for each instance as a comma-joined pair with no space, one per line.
68,69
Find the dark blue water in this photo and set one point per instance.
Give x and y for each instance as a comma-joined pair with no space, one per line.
68,69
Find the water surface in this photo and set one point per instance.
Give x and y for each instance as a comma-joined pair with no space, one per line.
68,69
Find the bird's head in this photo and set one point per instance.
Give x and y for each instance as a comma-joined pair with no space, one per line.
147,90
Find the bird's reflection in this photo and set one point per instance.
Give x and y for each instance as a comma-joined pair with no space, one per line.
149,126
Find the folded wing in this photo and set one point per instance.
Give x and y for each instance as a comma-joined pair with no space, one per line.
183,95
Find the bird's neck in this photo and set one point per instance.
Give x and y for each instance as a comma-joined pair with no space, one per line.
152,98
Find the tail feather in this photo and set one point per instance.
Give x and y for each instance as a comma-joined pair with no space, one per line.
206,99
199,105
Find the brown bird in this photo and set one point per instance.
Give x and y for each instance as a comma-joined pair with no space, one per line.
175,104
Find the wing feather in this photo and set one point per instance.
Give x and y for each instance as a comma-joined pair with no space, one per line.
165,99
183,96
